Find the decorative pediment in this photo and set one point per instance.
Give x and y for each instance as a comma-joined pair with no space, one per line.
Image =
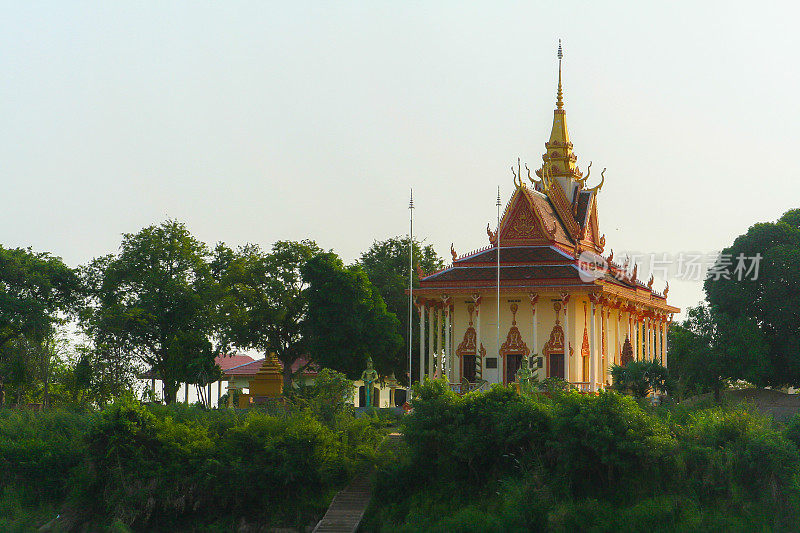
467,346
556,342
514,344
522,223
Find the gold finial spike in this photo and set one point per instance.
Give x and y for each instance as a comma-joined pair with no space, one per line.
560,99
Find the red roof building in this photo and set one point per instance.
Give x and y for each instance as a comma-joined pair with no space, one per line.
550,295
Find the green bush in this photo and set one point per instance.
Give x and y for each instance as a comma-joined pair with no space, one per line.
38,450
606,442
641,377
567,461
478,435
736,454
176,467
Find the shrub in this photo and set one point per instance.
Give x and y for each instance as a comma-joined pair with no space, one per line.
475,436
168,468
606,442
737,454
38,450
329,397
641,377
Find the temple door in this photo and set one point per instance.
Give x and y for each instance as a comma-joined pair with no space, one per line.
512,365
468,367
556,363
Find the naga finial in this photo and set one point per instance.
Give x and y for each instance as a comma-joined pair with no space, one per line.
535,182
602,181
586,177
453,252
492,234
666,290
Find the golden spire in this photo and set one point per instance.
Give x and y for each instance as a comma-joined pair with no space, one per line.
559,160
559,99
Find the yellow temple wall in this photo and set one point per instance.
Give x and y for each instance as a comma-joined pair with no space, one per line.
573,326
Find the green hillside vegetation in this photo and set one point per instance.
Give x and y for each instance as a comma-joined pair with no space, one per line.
176,468
498,461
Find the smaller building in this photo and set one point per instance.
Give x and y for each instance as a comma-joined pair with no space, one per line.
188,393
386,394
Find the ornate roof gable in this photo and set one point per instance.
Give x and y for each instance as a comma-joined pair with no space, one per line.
523,224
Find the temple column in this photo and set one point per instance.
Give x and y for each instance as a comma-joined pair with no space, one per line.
448,355
592,347
647,354
440,355
659,340
431,338
651,338
637,351
607,344
534,298
617,346
666,340
629,333
567,335
478,361
421,309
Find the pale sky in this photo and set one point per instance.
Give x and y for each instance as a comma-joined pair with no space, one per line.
258,121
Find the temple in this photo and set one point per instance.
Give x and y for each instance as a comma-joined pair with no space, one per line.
541,288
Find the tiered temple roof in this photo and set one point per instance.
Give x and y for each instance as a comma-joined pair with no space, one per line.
547,231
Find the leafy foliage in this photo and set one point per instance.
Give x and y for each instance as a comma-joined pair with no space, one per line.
347,320
36,291
168,468
568,461
710,347
387,266
264,302
330,397
641,377
768,304
157,299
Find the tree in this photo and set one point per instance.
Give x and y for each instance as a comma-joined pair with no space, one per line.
37,291
768,302
157,299
264,301
640,377
347,319
386,265
710,348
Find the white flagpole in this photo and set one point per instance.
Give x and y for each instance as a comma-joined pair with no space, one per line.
497,239
410,287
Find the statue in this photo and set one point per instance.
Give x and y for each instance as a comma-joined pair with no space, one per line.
368,376
525,377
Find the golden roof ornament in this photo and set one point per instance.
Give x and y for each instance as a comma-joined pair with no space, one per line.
559,98
559,159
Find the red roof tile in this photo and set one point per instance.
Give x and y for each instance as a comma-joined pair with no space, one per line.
251,368
226,361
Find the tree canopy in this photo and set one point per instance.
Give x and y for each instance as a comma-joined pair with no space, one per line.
157,299
386,265
264,302
34,289
709,348
766,300
37,290
347,319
